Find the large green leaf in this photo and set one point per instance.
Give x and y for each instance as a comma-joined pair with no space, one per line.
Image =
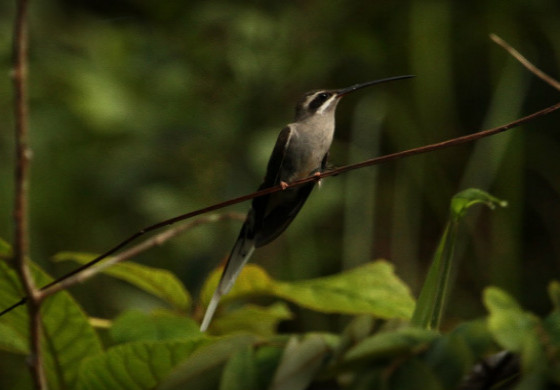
156,281
431,303
68,338
370,289
135,325
251,318
137,365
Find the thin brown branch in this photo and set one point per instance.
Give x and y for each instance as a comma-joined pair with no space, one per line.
22,155
525,62
334,172
157,240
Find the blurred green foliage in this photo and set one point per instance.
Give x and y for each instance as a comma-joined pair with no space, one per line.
143,110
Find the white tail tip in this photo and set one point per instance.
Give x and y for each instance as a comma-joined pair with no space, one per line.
210,311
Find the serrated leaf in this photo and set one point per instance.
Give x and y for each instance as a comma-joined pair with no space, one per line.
301,360
138,365
434,293
156,281
68,338
388,344
134,325
258,320
370,289
202,370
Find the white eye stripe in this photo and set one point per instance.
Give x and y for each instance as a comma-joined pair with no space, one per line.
326,104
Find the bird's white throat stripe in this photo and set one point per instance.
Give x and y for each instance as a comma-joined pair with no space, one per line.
326,104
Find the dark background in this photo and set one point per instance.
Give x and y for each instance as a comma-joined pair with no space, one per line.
142,110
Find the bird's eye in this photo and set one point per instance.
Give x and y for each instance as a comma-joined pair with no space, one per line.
319,100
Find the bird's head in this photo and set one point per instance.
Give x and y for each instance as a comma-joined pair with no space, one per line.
322,102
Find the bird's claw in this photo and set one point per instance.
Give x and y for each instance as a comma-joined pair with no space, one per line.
284,185
317,176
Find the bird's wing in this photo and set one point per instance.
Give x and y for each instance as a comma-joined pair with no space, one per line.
276,160
274,212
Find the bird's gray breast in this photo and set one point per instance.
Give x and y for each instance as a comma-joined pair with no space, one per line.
306,150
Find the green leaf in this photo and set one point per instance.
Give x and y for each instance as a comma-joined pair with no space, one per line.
156,281
518,331
137,365
240,372
253,280
463,200
385,345
5,248
431,303
135,325
509,324
370,289
12,340
258,320
203,369
68,338
302,359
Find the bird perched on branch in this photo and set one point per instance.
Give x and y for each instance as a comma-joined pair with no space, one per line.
301,151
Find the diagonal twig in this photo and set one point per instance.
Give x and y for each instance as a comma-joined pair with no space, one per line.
334,172
160,239
525,62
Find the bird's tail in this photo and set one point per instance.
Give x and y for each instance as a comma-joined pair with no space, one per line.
240,254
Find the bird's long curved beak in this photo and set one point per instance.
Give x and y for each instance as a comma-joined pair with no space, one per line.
355,87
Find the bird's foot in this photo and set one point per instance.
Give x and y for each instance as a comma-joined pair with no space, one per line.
317,176
284,185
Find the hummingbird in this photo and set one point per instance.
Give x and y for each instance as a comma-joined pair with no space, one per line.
301,150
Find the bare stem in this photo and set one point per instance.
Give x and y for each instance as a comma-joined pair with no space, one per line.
23,155
525,62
